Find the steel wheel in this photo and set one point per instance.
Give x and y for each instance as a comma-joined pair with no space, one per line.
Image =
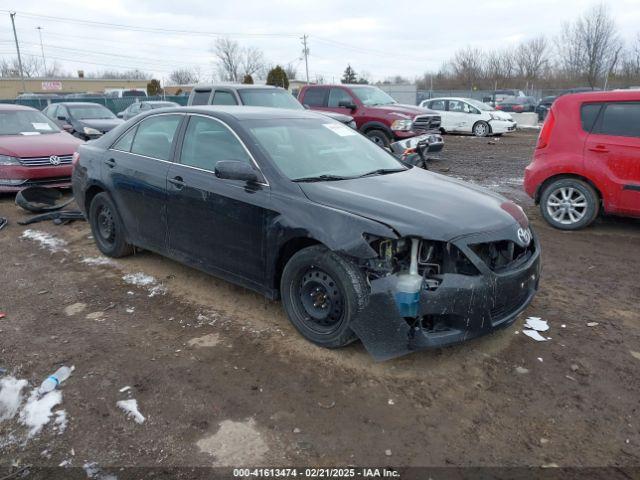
321,300
567,205
106,225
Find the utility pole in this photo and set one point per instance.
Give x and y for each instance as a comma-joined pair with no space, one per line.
44,62
15,37
305,50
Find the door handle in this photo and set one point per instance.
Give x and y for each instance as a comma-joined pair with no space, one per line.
110,163
599,149
177,182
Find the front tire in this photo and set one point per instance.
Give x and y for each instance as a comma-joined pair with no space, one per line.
379,138
569,204
481,129
322,292
107,227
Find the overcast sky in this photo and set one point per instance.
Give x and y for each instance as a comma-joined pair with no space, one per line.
382,38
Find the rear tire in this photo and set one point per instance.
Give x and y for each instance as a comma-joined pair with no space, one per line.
322,292
379,138
569,204
107,227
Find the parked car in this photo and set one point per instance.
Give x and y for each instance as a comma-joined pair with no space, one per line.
85,120
504,94
125,92
544,105
300,207
253,96
33,150
144,106
377,114
517,105
466,115
587,159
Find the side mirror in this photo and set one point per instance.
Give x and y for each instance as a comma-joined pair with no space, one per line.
347,104
62,117
120,114
67,128
235,170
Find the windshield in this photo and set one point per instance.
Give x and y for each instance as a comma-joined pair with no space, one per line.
269,97
90,112
25,122
480,106
306,148
372,96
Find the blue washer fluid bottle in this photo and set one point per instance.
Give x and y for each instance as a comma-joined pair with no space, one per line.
408,286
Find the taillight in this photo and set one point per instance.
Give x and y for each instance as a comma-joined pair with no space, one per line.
518,108
498,107
75,159
545,133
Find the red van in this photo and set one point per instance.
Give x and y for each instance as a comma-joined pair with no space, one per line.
587,159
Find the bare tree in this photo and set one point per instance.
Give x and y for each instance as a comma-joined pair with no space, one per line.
531,58
185,76
590,48
117,75
467,65
291,71
235,61
251,62
10,68
499,66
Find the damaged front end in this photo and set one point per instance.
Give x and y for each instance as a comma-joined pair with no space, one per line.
429,294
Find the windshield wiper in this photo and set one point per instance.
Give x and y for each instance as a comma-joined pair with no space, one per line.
382,171
321,178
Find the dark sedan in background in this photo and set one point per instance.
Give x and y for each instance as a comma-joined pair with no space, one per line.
298,206
85,120
145,106
517,105
33,150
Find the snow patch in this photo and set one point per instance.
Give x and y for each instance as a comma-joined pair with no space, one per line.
60,423
98,261
131,409
141,279
10,397
37,412
534,335
94,471
45,240
536,323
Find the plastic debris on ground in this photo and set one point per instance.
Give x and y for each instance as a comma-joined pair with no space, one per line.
534,335
131,409
532,327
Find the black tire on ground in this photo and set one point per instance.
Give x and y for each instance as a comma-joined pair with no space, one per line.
379,137
107,227
322,292
481,129
569,204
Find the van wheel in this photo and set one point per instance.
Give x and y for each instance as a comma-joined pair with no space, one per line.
107,227
322,292
481,129
379,138
569,204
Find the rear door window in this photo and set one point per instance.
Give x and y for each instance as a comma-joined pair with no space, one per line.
221,97
200,97
437,105
155,136
620,119
588,115
314,97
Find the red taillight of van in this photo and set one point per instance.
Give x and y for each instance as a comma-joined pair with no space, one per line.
545,133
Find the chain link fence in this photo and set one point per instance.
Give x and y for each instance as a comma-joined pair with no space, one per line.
112,103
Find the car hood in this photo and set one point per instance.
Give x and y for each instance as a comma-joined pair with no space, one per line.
102,124
419,203
337,116
26,146
404,111
501,115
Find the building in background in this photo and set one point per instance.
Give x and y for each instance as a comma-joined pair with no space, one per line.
10,88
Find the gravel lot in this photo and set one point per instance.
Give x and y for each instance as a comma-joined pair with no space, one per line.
222,379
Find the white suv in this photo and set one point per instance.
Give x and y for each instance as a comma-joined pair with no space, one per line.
466,115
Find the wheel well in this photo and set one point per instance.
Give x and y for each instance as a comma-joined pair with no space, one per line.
544,184
482,121
366,128
89,195
288,250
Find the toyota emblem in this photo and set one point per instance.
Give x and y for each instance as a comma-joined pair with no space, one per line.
54,160
524,235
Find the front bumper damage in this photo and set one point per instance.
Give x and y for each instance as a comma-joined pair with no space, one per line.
462,307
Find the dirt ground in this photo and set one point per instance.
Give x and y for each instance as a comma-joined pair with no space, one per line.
222,379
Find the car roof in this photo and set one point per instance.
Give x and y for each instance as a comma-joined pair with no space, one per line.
154,101
462,99
237,86
72,104
14,106
241,112
600,96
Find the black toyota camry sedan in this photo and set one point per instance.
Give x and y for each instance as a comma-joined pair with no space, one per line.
300,207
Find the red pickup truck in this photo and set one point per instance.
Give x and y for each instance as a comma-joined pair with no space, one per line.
377,115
